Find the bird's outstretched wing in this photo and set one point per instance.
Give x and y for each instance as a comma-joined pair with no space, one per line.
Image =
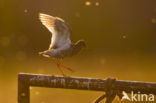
59,29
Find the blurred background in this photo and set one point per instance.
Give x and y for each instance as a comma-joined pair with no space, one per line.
120,37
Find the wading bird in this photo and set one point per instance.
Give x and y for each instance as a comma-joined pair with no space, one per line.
60,46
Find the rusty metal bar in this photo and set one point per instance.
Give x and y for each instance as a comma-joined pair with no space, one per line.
50,81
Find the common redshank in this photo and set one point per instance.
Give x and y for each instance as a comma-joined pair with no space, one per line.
60,46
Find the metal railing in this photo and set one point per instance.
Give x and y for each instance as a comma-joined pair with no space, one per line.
112,87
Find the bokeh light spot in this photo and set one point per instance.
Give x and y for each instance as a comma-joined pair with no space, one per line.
97,4
25,11
124,36
87,3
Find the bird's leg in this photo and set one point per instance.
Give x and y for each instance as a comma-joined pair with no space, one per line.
59,66
68,68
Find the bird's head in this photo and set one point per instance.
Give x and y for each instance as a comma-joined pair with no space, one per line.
78,46
81,44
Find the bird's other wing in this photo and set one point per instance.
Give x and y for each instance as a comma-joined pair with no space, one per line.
59,29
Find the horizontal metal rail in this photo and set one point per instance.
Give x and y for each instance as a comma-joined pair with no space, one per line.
51,81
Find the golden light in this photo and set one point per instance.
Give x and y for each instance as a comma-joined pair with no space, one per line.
97,4
124,36
25,10
87,3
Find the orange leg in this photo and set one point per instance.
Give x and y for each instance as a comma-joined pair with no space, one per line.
65,67
59,66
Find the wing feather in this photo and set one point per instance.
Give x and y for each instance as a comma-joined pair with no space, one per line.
48,21
59,29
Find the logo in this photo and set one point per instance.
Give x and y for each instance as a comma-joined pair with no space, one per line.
134,97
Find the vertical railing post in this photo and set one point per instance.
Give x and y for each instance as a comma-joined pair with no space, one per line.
23,89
